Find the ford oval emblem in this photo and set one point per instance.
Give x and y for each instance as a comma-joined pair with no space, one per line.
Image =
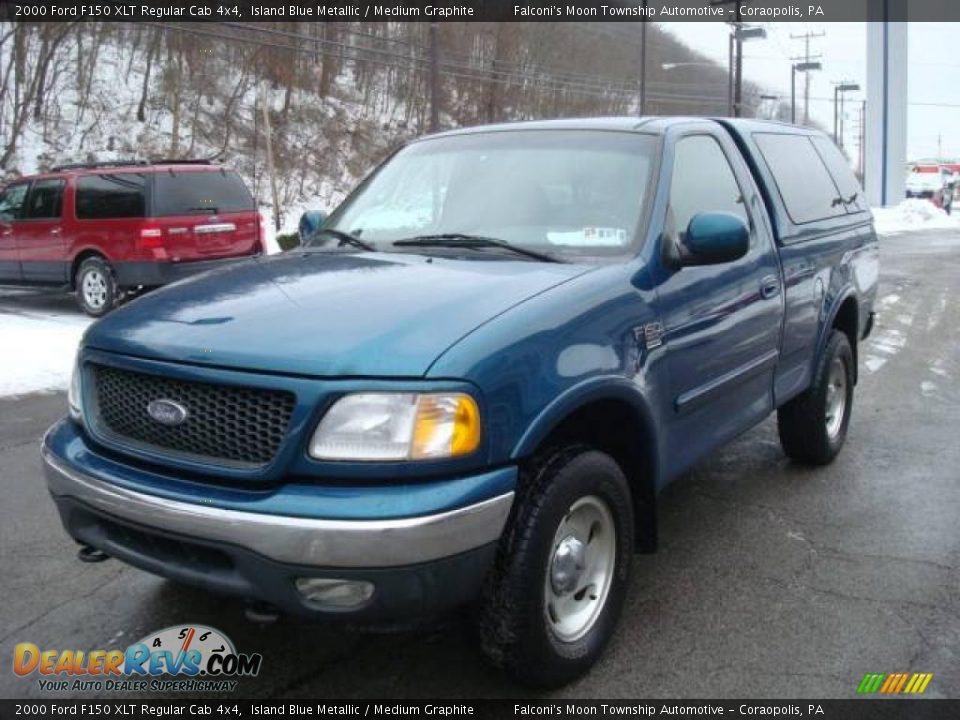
167,412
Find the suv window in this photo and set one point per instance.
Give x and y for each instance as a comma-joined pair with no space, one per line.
102,197
805,186
703,181
843,176
45,201
192,192
11,201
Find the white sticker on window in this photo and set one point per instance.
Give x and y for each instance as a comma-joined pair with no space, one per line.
590,237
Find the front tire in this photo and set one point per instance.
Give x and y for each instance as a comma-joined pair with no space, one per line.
554,596
96,287
813,426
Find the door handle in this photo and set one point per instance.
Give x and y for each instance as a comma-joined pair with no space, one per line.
7,231
769,287
55,231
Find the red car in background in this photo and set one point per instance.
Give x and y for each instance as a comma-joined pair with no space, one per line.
106,228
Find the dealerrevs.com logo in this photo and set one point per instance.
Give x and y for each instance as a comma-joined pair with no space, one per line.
181,658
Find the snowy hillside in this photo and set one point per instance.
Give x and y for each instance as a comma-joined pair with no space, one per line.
322,146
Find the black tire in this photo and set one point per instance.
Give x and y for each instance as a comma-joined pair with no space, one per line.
96,287
806,433
514,629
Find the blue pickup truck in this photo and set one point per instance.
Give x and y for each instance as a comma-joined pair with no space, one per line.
470,382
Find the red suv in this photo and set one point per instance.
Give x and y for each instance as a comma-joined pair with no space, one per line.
108,228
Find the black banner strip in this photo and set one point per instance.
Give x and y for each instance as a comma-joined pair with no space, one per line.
864,709
820,11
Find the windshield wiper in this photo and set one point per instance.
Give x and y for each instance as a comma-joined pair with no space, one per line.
464,240
344,238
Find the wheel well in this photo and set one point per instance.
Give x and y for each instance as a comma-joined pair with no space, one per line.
616,428
847,322
78,260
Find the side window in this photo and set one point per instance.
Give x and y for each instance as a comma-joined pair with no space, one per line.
45,201
11,201
843,176
102,197
703,181
805,186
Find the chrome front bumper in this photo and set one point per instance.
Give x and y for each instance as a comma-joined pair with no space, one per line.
293,540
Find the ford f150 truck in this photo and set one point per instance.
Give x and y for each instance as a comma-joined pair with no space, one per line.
472,381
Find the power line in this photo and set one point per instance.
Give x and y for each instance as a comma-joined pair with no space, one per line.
607,90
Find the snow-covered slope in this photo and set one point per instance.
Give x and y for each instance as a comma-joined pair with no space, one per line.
321,146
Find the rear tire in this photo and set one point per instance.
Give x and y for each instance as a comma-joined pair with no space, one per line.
554,596
96,287
813,426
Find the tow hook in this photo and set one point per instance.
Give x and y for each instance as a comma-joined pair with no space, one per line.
262,613
90,554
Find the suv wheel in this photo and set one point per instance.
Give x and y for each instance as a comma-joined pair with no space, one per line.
554,596
96,286
814,424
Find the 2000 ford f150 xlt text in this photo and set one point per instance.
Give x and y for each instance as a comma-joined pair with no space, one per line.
472,380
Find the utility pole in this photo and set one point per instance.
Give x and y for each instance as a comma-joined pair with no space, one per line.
643,62
264,105
807,57
434,79
738,68
796,67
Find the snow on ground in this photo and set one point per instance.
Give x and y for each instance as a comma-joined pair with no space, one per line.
913,214
39,336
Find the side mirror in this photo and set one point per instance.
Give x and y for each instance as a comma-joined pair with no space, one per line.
714,238
310,222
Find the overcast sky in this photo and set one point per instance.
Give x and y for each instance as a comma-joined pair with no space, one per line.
934,52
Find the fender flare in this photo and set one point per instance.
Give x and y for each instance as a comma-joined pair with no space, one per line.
829,317
604,387
620,389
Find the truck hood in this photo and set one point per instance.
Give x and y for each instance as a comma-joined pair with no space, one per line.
323,314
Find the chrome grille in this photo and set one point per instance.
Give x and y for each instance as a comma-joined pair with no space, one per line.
226,424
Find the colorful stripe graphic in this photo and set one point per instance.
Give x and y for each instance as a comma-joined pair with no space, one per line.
894,683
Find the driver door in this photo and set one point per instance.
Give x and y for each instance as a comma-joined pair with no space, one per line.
721,322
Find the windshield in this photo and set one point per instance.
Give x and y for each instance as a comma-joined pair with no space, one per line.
562,193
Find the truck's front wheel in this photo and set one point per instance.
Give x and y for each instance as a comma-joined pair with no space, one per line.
555,594
814,424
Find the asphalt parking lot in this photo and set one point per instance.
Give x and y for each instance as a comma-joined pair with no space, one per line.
772,580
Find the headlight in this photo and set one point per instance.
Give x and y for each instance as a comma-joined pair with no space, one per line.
398,426
74,394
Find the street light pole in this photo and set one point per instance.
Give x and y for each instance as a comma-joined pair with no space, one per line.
740,33
838,90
